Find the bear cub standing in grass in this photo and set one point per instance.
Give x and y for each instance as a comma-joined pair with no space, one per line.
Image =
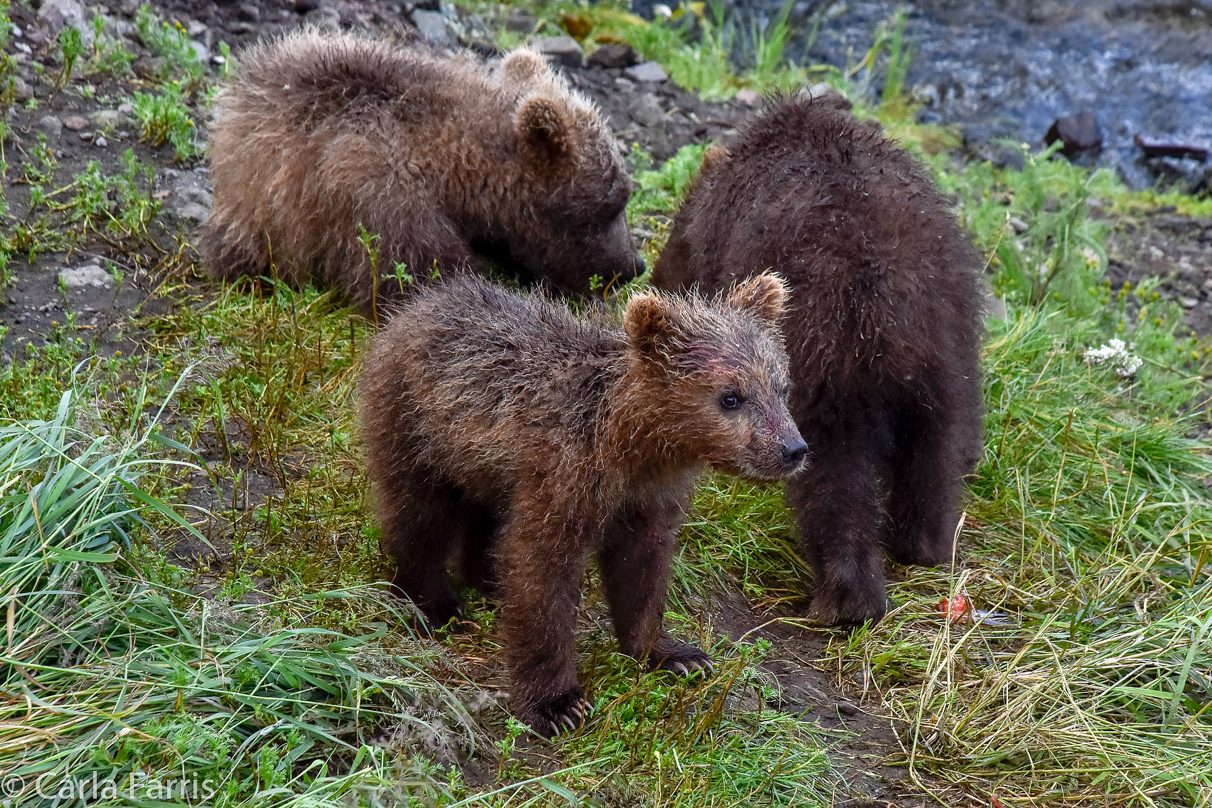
526,437
447,162
883,326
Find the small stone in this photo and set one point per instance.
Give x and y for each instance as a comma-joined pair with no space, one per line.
825,91
86,135
646,110
75,122
846,708
1017,225
432,26
1207,285
613,55
249,12
646,71
563,50
1079,134
50,124
200,51
109,118
749,98
1188,302
101,142
520,22
150,67
195,28
87,275
59,14
21,89
126,108
324,18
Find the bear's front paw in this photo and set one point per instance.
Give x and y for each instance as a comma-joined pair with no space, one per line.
847,606
559,713
680,658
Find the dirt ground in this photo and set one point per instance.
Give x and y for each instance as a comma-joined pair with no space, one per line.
658,116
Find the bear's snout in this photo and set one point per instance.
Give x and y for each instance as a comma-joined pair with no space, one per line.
641,266
793,452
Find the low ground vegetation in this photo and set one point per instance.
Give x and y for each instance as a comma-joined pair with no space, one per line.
188,575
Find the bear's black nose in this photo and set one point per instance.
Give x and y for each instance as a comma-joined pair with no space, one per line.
640,265
794,452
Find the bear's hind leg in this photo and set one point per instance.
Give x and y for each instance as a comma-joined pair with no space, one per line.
422,523
635,558
931,456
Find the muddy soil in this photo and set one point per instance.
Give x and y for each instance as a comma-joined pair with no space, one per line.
109,282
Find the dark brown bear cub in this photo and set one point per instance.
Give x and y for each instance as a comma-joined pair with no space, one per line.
528,438
447,162
882,328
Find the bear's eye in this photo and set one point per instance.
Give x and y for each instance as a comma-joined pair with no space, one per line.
730,400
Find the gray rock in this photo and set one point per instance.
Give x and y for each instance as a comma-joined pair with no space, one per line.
196,28
200,50
190,199
21,89
749,98
250,12
87,275
75,122
827,91
109,118
1189,302
324,18
563,50
1079,134
994,307
432,26
646,110
51,125
613,55
646,71
59,14
520,22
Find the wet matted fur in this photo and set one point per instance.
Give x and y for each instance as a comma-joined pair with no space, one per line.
447,161
505,428
882,329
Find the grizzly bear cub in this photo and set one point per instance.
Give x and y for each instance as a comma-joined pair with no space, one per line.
525,437
446,162
882,328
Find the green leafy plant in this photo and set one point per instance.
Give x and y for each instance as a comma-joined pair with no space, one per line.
163,117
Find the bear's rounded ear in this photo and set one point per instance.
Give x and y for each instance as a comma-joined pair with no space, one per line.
523,66
764,295
544,126
650,322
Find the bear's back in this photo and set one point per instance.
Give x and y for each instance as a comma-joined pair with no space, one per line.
881,273
493,378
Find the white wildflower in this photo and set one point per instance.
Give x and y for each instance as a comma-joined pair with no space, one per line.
1091,258
1118,356
663,11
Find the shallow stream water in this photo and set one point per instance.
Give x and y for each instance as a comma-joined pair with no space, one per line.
1009,68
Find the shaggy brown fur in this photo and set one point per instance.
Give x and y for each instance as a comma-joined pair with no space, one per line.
882,329
528,438
446,161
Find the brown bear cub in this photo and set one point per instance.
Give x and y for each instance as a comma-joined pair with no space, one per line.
527,438
883,326
446,161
